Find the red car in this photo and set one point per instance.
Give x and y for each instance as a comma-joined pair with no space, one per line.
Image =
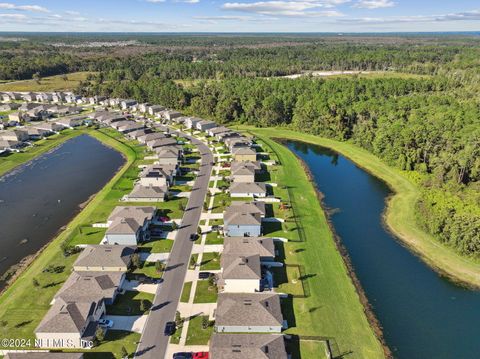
200,355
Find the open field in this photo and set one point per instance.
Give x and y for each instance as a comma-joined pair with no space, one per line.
400,212
9,161
330,307
52,83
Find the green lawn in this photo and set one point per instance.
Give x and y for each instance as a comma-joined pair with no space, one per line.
214,238
149,270
205,293
52,83
187,288
157,246
210,261
111,346
333,308
88,235
129,303
196,334
23,305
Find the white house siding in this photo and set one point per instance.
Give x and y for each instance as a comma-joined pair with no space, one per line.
248,329
146,199
123,239
241,286
241,231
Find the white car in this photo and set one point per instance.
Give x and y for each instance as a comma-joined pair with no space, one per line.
105,323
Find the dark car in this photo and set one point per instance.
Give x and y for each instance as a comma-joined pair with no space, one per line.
170,328
204,275
193,237
184,355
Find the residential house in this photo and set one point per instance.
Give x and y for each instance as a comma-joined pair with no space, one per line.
169,155
242,174
148,193
126,104
117,124
240,273
70,122
28,96
72,98
128,225
149,137
191,122
7,146
168,141
18,117
96,99
223,136
14,135
170,114
50,126
4,107
205,125
243,220
244,246
214,131
99,258
38,113
243,346
235,142
255,189
36,133
157,175
143,107
136,134
248,313
43,97
155,109
58,97
244,154
131,126
70,324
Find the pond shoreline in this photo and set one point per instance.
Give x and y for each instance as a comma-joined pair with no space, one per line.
342,250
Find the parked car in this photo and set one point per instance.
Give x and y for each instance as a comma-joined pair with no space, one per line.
193,237
204,275
184,355
200,355
105,323
170,328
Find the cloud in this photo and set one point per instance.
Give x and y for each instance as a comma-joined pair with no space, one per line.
283,8
16,17
473,15
188,1
72,13
33,8
374,4
155,1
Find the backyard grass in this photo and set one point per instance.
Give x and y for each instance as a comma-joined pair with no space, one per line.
196,334
111,346
130,303
88,235
205,293
52,83
23,304
332,308
9,161
187,288
400,211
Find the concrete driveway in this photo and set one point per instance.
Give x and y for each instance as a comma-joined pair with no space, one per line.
133,285
130,323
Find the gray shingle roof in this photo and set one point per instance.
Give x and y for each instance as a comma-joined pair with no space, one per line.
248,309
247,346
255,187
140,191
236,266
105,256
245,246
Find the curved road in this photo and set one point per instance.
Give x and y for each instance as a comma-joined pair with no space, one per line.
153,343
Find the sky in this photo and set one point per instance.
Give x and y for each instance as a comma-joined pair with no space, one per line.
240,15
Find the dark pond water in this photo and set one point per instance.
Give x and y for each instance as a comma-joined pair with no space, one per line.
423,315
37,199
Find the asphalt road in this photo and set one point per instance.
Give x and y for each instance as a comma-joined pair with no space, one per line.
153,343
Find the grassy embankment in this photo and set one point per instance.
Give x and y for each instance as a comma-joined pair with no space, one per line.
400,212
52,83
24,303
9,161
328,307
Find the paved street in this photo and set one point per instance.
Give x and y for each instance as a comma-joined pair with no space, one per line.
153,343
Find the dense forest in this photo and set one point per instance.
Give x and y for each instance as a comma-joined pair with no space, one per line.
421,114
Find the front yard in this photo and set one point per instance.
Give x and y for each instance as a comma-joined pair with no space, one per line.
131,303
197,335
205,292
